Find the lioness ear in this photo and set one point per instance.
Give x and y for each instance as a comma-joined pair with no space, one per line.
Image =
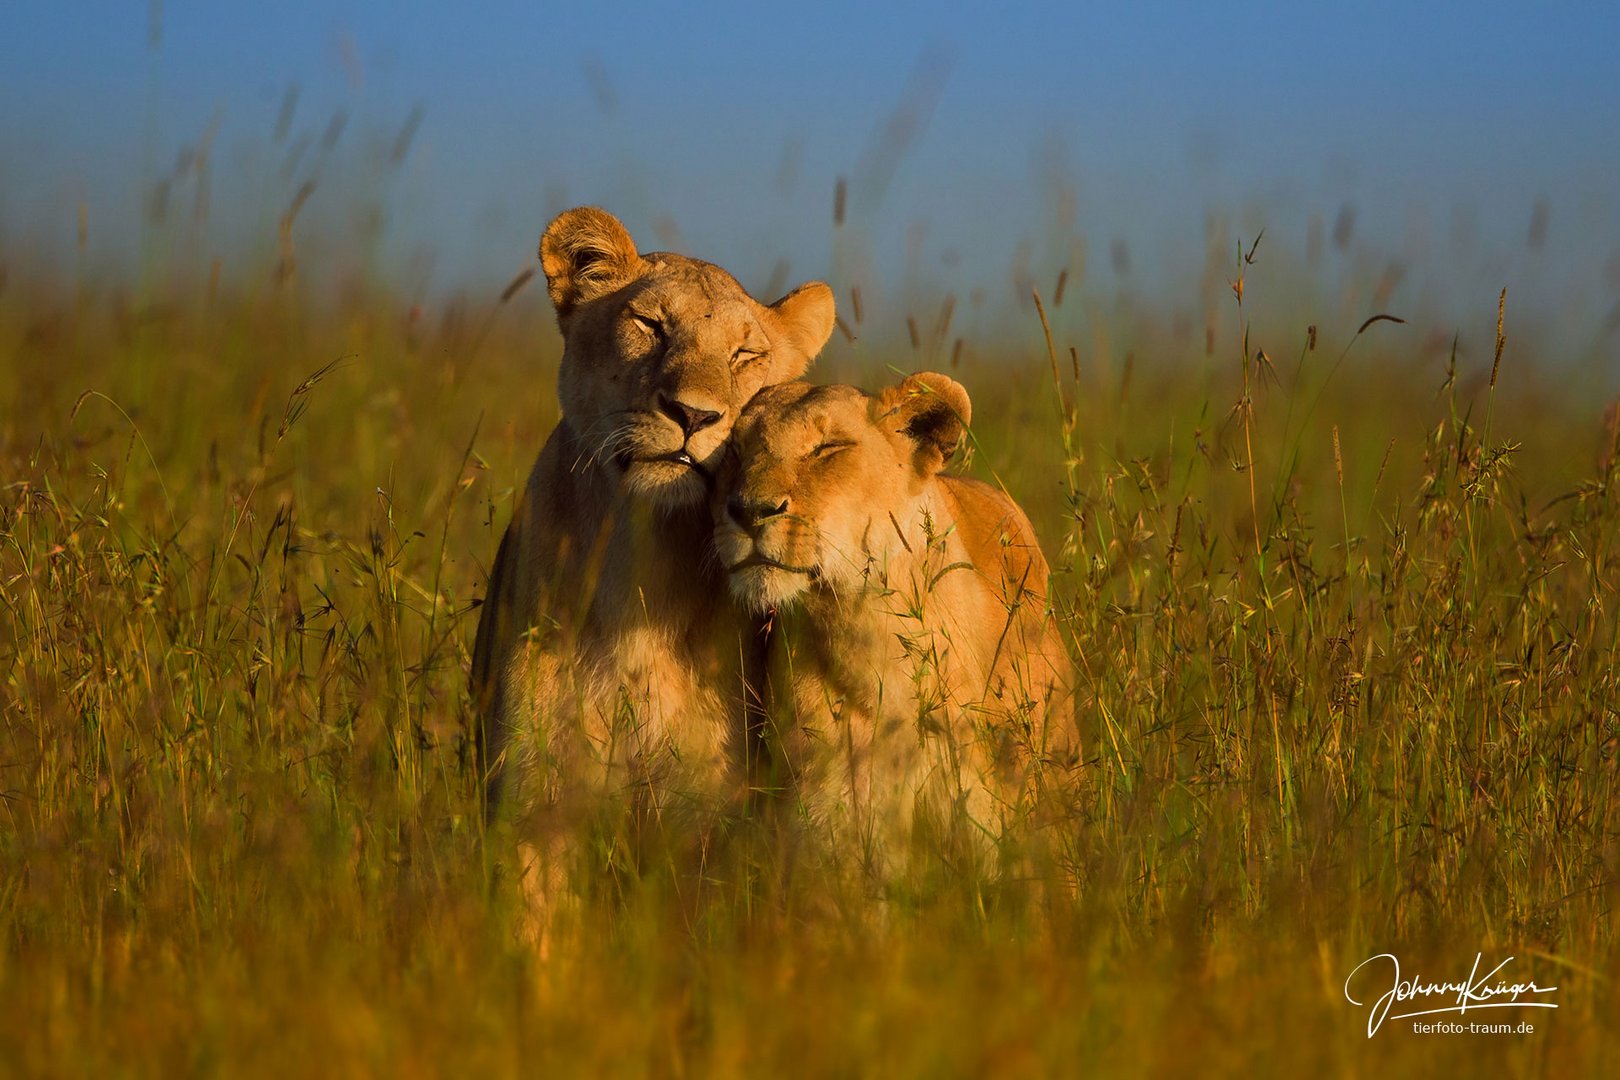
585,253
805,316
930,409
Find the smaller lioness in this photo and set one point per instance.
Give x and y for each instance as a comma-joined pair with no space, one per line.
914,663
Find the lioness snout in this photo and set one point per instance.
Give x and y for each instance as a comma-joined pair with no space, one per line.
750,513
691,418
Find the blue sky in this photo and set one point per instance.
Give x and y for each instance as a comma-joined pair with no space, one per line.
724,127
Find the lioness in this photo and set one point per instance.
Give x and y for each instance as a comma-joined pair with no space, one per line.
608,656
913,662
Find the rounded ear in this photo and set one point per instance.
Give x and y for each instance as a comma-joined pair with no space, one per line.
584,253
805,317
931,410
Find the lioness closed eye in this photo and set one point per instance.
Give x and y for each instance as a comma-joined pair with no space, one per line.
607,654
913,656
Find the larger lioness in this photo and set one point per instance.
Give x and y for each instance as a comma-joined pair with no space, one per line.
608,657
914,663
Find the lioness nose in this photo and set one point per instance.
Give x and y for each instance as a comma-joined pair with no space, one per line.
750,512
691,418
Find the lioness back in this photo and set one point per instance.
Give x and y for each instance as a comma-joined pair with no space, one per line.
1000,540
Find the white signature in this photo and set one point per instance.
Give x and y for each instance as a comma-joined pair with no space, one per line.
1476,992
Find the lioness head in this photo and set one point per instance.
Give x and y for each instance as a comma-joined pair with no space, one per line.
823,478
661,352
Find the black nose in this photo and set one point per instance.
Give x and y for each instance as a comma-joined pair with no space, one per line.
750,512
691,418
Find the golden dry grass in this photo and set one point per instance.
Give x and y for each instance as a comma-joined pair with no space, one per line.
1348,648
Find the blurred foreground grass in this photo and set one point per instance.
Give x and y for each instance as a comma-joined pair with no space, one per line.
1349,657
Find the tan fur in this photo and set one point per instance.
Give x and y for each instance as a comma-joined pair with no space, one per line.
608,657
913,660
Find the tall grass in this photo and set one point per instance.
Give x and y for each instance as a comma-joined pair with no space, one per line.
1343,616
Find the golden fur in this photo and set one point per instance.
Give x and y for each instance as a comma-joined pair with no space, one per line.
608,656
913,661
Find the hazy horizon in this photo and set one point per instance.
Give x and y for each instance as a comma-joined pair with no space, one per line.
1445,152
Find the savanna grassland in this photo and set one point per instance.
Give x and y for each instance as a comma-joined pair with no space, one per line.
1342,602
